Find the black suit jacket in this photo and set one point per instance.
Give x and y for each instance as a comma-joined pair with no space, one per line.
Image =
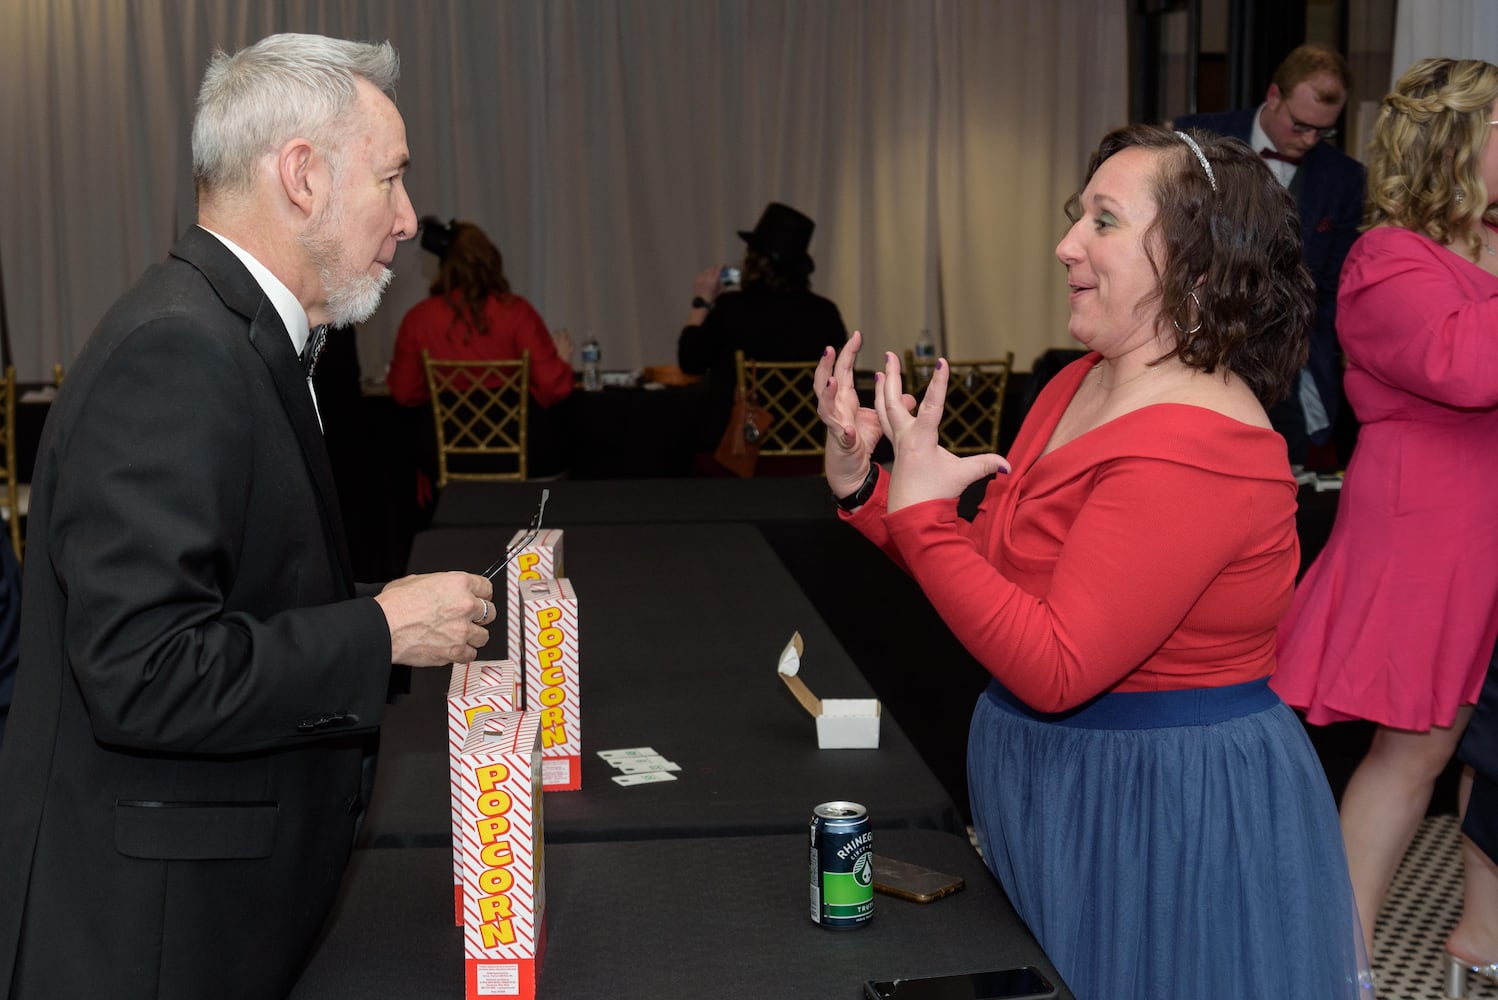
199,683
1330,185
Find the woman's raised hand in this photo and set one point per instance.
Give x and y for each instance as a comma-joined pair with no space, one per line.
852,430
923,469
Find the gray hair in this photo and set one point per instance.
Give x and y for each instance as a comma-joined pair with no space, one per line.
282,86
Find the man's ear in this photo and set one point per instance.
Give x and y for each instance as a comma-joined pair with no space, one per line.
1273,96
294,168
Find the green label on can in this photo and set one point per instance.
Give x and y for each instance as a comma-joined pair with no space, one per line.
850,894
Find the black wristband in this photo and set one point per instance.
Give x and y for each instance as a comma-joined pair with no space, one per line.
698,302
860,496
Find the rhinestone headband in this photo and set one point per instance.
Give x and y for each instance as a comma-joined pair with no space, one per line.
1201,158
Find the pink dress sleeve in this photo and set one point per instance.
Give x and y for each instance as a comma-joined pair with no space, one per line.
1407,314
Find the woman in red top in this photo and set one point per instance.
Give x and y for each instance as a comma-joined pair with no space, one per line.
1155,813
473,315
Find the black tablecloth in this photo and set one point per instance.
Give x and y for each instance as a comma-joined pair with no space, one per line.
615,501
620,433
668,920
681,629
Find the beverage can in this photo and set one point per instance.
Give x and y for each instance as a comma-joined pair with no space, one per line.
842,865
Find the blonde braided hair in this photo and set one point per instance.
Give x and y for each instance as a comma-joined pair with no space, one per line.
1424,162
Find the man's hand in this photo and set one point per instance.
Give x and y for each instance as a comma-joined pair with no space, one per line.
437,618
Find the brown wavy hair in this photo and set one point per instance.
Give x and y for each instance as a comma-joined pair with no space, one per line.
1425,159
1237,248
471,271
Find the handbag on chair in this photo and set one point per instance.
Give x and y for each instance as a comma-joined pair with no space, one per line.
738,451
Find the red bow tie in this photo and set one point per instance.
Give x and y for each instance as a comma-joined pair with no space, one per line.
1270,154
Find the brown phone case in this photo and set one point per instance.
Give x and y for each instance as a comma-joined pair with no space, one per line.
913,882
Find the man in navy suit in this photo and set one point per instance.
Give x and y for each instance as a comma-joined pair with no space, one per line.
201,680
1300,109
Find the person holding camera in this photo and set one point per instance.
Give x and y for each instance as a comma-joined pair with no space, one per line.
773,315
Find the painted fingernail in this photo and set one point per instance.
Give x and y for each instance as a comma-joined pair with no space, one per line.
878,376
939,363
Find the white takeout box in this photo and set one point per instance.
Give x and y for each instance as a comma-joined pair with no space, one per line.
842,723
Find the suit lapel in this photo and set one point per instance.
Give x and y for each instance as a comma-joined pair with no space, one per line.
268,337
1313,181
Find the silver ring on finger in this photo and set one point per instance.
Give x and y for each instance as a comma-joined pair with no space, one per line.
484,614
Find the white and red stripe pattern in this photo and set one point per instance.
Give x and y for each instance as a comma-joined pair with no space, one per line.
497,777
475,688
550,649
540,560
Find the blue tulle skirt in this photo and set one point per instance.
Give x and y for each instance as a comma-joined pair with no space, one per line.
1169,844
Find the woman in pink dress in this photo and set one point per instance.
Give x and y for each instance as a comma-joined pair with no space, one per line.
1395,621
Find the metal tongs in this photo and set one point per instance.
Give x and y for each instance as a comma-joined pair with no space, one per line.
529,536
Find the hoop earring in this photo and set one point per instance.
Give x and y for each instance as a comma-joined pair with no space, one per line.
1177,323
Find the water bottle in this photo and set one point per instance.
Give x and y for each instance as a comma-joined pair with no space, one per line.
592,381
925,355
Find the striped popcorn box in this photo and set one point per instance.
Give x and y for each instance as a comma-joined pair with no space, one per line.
541,559
474,689
497,776
549,645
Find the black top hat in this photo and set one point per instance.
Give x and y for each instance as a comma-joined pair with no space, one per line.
782,234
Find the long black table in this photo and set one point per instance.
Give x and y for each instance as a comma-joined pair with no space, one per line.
617,432
649,920
640,501
681,627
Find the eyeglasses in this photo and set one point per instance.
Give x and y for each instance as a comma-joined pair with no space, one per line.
529,536
1305,128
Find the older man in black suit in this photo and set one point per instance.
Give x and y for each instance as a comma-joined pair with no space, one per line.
1300,109
201,679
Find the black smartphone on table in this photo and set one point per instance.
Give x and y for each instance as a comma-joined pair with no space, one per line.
1026,983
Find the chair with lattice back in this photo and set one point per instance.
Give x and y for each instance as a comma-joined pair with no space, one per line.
480,411
974,410
785,390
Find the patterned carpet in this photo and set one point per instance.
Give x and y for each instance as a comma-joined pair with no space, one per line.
1422,906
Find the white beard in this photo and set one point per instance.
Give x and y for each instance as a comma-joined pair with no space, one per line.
353,295
353,298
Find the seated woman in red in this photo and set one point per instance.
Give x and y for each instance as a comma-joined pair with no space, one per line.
472,315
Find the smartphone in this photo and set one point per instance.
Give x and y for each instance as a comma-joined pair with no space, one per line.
913,882
729,277
999,984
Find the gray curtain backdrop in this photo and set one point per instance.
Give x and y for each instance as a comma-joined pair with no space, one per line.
1456,29
611,148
